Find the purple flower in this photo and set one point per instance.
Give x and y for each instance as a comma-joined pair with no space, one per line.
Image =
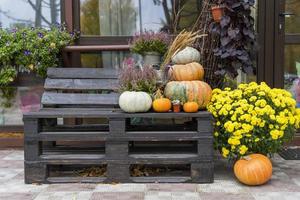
27,53
40,35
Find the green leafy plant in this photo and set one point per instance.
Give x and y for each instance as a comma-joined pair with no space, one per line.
237,38
32,50
7,75
149,41
253,119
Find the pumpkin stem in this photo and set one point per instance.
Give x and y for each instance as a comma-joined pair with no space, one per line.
246,158
158,94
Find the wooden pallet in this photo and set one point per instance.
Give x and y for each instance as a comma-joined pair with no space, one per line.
118,145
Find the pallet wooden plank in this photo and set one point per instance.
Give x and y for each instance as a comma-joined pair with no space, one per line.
71,136
32,149
109,113
205,125
52,98
116,149
163,158
163,135
118,172
84,73
81,84
206,148
72,157
76,179
35,172
202,172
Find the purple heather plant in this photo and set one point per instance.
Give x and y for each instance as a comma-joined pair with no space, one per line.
135,78
149,41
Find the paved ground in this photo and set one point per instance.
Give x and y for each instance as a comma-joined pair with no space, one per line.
285,185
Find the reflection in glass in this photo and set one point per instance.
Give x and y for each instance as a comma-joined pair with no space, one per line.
292,70
29,13
292,22
126,17
26,100
105,59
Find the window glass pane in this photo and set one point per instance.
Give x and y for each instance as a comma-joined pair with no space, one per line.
126,17
29,13
24,99
105,59
292,70
292,22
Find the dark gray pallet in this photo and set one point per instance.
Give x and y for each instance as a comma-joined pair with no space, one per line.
121,144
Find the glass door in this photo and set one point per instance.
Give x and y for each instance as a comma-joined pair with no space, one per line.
289,24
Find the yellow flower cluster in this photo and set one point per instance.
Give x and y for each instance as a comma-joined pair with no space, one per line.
253,118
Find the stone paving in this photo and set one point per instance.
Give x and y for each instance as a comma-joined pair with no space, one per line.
284,185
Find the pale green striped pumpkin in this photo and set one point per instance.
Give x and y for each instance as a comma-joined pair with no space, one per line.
196,91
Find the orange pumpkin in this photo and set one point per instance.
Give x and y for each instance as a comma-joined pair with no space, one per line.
184,91
190,107
161,104
187,72
255,169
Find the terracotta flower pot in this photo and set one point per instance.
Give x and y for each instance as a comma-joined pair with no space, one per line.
217,13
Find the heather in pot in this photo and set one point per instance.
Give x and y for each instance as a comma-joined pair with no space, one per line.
135,78
150,42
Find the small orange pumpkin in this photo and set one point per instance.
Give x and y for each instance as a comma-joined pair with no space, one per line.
254,169
190,107
161,104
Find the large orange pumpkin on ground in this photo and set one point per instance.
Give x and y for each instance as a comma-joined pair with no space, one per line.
184,91
254,169
187,72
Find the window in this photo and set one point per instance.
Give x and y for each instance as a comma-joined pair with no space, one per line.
113,22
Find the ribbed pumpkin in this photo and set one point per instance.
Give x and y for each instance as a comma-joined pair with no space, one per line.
187,72
187,55
254,169
161,104
132,102
197,91
190,107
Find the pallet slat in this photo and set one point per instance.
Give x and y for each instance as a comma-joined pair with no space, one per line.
76,179
53,98
83,73
81,84
109,113
72,136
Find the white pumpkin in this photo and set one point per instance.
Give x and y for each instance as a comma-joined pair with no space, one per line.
185,56
132,102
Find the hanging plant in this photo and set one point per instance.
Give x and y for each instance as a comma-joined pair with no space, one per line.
237,38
